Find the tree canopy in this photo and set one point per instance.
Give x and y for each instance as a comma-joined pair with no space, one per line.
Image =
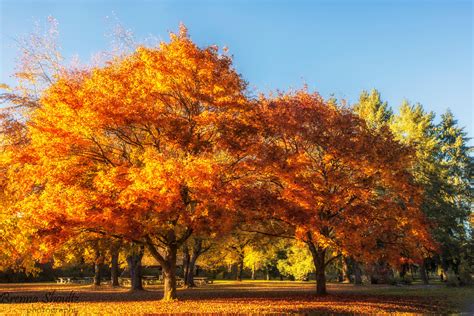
164,145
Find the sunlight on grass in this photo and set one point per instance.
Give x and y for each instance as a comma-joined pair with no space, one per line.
244,297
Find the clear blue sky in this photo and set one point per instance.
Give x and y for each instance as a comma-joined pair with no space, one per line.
415,50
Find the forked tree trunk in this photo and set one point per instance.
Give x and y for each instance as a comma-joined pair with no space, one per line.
135,266
196,252
167,262
170,245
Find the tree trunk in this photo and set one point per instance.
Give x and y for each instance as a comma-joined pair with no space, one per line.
114,266
169,273
320,281
186,259
345,271
97,274
404,270
196,252
423,273
190,275
319,260
168,260
97,263
357,273
240,269
253,272
135,266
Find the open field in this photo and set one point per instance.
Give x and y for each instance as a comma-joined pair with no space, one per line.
234,297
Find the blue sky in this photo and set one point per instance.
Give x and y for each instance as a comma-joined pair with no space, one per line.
415,50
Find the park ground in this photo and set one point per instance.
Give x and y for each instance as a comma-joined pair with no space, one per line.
272,297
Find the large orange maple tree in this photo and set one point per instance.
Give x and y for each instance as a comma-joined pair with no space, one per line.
336,185
146,148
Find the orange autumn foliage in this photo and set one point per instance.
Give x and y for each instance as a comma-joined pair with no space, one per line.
164,142
341,188
145,148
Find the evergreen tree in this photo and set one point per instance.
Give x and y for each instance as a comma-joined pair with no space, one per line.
454,163
442,169
371,107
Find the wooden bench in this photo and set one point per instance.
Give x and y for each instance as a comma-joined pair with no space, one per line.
125,281
87,280
202,280
179,281
64,280
151,279
74,280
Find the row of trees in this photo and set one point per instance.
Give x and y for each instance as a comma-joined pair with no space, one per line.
162,149
443,168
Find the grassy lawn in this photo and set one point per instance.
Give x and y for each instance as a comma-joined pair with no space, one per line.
235,297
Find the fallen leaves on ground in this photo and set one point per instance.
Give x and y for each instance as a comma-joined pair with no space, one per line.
229,298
